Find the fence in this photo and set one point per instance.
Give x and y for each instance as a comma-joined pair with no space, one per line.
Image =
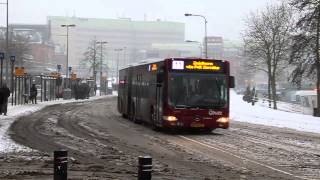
281,105
47,88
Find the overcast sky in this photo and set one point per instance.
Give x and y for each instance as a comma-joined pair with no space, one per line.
225,17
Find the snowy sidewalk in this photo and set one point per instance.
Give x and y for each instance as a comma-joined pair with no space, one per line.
14,112
245,112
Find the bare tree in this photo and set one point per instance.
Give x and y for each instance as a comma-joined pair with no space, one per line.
18,46
92,57
267,40
305,54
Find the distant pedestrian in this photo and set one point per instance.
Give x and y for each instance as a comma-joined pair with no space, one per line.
1,100
95,89
76,91
253,96
5,91
33,94
87,90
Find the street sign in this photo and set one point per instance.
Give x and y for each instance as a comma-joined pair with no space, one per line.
1,55
59,67
12,58
55,74
70,68
19,71
73,76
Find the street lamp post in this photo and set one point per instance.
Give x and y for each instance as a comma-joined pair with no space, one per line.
7,41
200,45
118,50
101,43
12,60
1,74
205,31
67,26
124,56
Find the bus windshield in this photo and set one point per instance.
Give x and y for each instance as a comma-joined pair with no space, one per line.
196,90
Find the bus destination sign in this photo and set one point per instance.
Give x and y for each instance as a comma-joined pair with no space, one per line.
197,65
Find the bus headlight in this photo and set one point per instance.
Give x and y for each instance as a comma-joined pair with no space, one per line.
223,120
170,118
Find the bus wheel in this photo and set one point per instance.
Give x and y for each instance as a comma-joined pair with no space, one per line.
124,115
132,113
208,130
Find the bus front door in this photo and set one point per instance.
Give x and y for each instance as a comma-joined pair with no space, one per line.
158,107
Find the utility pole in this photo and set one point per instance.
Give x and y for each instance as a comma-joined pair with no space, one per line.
205,31
7,45
118,50
94,62
67,65
124,56
101,42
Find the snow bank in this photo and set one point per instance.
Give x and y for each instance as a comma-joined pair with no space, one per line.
245,112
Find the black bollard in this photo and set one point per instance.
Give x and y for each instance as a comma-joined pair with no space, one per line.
145,168
60,166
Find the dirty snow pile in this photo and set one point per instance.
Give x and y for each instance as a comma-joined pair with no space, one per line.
245,112
14,112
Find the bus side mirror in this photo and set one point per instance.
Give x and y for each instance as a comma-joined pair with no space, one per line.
231,82
159,78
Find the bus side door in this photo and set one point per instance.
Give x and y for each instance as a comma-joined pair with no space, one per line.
159,99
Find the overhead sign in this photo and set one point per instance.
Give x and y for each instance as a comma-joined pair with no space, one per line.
203,65
198,65
152,67
179,65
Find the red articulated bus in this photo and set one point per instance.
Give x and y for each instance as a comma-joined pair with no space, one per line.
177,93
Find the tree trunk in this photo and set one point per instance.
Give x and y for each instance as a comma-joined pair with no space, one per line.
299,80
269,83
269,91
274,91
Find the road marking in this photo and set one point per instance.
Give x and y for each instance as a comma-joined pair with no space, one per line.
252,161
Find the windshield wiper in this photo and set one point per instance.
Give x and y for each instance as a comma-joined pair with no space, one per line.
182,106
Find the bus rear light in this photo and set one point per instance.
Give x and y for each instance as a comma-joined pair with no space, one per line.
170,118
223,120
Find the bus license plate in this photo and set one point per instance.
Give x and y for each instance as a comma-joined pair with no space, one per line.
197,125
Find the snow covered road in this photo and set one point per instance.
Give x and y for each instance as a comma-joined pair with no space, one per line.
95,133
261,143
